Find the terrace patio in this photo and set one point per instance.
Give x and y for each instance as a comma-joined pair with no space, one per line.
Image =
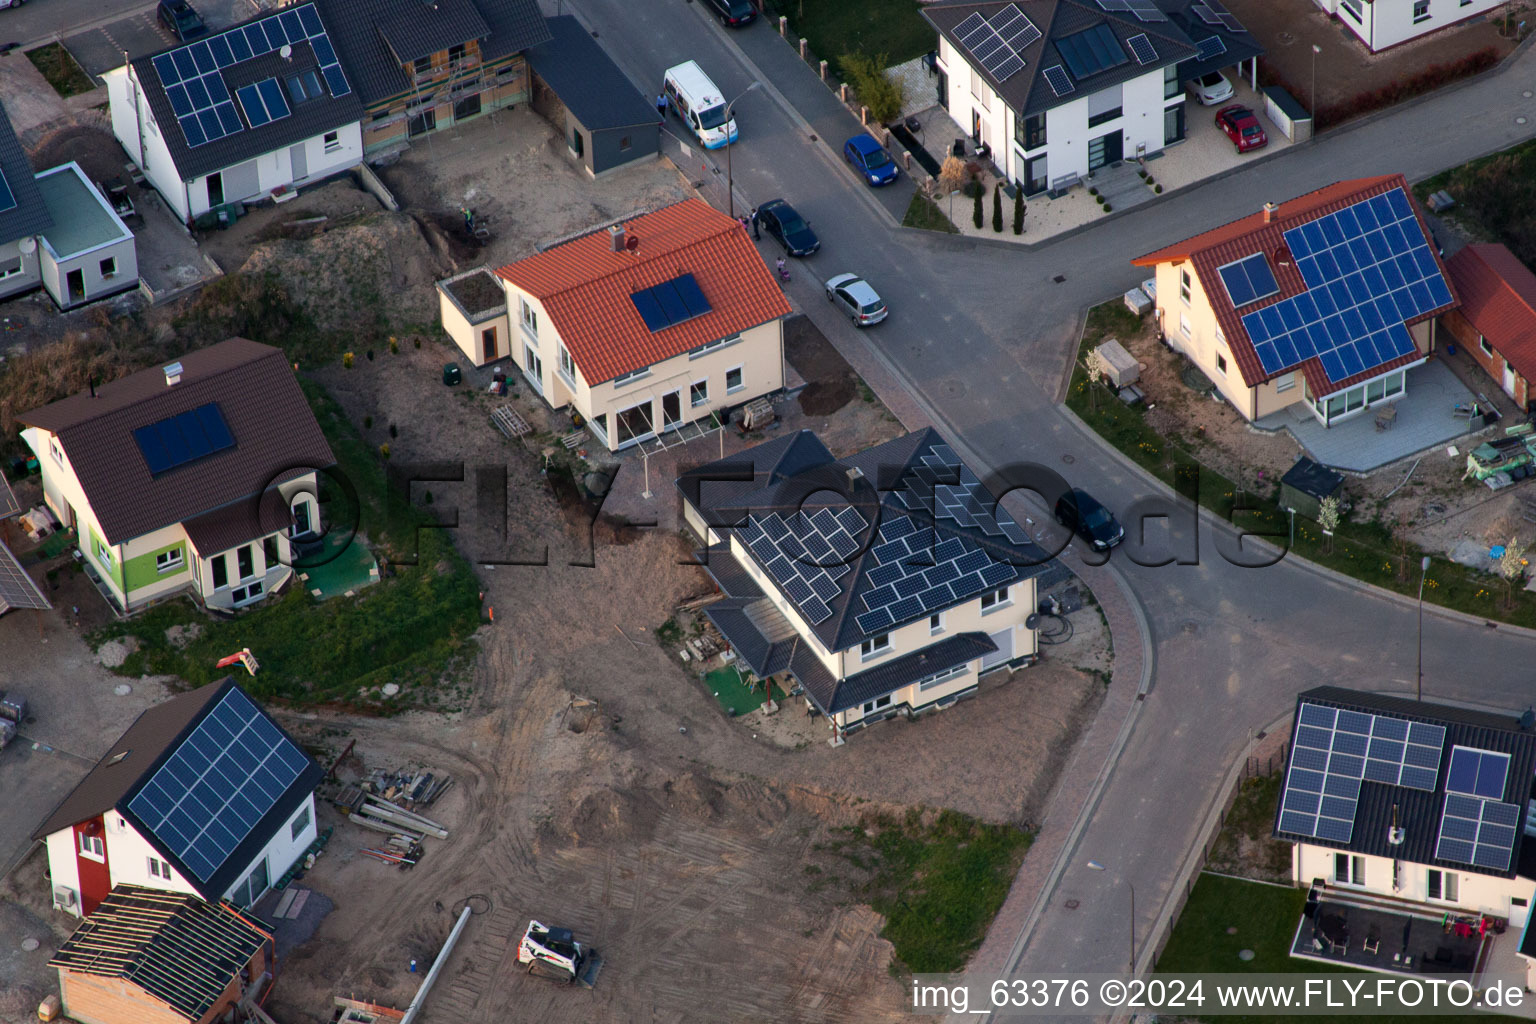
1376,939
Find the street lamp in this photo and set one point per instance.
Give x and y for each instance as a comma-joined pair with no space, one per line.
1423,571
1094,865
730,181
1313,97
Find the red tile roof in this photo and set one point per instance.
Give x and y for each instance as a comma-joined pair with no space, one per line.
585,287
1498,297
1220,246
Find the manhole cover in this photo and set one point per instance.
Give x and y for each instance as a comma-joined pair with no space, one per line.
954,388
122,689
1069,459
28,945
1245,954
1072,904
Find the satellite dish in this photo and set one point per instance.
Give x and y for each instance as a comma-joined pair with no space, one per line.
28,245
1033,622
286,52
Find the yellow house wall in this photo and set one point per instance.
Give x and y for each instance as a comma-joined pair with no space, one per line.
1201,345
154,541
466,335
61,492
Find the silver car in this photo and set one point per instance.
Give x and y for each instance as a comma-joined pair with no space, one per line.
853,295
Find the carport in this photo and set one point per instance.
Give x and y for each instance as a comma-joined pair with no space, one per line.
605,120
1220,40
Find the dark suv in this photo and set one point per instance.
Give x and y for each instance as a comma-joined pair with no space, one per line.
1081,513
732,13
180,20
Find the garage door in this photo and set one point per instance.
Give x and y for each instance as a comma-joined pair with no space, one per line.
1004,652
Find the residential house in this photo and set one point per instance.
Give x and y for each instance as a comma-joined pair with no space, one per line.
422,67
200,475
250,113
23,216
1408,812
654,324
1328,300
605,121
1496,321
1057,89
204,794
154,957
885,583
1384,23
88,253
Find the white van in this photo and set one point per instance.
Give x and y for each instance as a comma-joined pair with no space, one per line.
698,102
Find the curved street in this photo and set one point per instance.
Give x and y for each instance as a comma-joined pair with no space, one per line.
981,335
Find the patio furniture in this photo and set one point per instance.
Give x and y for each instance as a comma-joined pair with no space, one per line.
1372,943
1386,416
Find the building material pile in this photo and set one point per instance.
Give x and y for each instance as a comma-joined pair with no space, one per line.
1501,461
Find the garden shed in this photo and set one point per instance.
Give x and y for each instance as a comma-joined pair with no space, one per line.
1306,484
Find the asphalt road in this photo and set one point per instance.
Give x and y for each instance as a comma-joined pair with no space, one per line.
982,335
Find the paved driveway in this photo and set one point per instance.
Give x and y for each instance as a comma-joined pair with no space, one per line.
100,47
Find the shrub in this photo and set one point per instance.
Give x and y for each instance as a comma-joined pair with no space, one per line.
346,360
976,215
394,345
1018,212
879,92
384,450
952,175
997,207
418,342
1108,208
1093,190
1158,189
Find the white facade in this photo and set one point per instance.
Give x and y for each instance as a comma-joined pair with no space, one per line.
1384,23
1086,131
21,266
1474,893
317,157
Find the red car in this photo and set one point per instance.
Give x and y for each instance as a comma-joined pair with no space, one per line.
1241,127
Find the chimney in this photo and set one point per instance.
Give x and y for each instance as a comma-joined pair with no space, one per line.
172,374
616,237
855,474
1269,212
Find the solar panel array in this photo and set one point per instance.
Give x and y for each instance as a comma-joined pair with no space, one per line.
185,437
263,102
1248,280
17,588
1092,50
806,554
1214,46
192,75
1335,750
1146,10
1480,832
1213,13
1115,5
1480,773
1142,48
1368,269
1060,81
209,795
998,43
670,303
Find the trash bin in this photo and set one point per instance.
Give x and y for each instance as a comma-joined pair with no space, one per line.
452,375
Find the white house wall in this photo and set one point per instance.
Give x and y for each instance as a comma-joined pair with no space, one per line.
63,872
31,268
141,138
1386,23
963,103
89,265
275,169
282,849
1477,893
128,854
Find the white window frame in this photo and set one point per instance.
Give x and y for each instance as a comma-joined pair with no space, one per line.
1184,327
741,378
299,823
710,346
1184,285
104,555
159,868
173,560
1353,9
92,848
871,706
1285,382
875,646
331,141
1354,868
566,365
11,268
935,623
625,379
528,318
702,397
992,600
1449,885
938,678
108,267
1221,364
1421,12
1483,346
55,450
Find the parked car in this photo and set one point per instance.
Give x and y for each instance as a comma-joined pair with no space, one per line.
1242,127
871,160
732,13
1081,513
857,299
11,3
794,233
180,20
1211,88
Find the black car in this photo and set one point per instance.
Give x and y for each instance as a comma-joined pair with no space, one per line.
1081,513
732,13
781,221
180,20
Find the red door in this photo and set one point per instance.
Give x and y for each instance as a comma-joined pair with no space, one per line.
91,862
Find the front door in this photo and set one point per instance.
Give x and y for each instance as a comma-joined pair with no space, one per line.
976,125
215,190
944,89
488,340
671,410
91,864
1509,380
1004,652
298,162
1104,150
74,286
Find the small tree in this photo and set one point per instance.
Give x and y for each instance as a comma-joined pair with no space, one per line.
997,207
1512,568
1402,542
976,214
951,175
1328,519
1093,367
1018,211
877,90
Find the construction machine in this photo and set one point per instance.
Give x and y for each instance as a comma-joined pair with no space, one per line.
555,953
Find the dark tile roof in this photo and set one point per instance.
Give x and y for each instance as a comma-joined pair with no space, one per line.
245,520
1239,46
274,430
1027,91
306,120
727,572
184,951
587,80
357,29
1418,811
909,668
895,476
1498,298
29,216
763,656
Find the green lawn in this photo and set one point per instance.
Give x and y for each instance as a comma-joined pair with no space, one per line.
872,27
409,630
727,686
1497,195
1363,549
61,70
924,213
938,884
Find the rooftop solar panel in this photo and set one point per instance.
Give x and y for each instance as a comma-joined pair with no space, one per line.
183,438
1058,79
1142,48
1213,46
